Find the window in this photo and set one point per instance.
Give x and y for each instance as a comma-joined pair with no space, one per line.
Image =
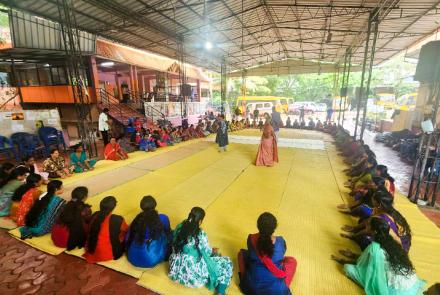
267,105
259,106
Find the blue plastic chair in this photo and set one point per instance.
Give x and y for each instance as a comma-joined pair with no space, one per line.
50,136
7,147
27,144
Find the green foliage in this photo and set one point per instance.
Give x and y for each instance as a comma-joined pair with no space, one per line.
319,87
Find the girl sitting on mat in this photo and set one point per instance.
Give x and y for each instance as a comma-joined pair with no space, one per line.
106,236
71,227
79,160
263,268
383,267
16,178
24,198
55,165
147,144
41,218
114,152
193,262
148,239
383,209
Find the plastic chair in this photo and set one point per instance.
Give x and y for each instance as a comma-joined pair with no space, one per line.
27,144
7,147
50,136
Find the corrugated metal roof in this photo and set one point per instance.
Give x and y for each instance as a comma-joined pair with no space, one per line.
252,32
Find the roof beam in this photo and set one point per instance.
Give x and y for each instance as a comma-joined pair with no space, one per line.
274,27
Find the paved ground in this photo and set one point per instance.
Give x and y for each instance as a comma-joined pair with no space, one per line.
25,270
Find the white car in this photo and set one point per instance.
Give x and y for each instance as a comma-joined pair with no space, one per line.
262,107
309,107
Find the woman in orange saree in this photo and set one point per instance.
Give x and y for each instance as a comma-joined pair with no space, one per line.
268,149
114,152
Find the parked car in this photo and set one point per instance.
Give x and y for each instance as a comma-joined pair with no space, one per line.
262,107
309,107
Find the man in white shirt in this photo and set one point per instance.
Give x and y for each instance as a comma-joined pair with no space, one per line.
103,126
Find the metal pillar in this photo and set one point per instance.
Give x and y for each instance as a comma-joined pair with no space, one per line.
364,66
347,80
76,71
182,79
223,86
344,74
370,72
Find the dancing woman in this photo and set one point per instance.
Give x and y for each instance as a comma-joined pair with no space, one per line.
268,149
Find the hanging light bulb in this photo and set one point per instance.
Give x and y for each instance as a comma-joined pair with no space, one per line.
208,45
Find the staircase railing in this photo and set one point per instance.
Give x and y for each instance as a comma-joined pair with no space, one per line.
109,101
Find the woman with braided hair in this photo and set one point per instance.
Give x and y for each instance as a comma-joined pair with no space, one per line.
106,235
264,270
70,230
383,268
148,239
44,212
193,262
383,209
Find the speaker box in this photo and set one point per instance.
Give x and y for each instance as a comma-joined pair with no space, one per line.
186,90
428,67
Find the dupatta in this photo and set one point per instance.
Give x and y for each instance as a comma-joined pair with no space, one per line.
266,260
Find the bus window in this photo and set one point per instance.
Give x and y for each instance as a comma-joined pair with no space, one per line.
267,105
259,106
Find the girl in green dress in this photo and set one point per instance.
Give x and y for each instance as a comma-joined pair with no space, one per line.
18,175
193,262
79,160
384,267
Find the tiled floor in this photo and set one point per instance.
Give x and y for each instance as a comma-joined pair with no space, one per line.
25,270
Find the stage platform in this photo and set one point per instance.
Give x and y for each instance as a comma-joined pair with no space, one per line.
302,191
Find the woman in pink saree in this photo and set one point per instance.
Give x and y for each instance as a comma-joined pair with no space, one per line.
268,149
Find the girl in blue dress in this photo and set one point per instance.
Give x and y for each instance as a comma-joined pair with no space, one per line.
264,270
148,239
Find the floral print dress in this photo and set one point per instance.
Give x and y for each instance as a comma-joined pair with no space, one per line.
196,268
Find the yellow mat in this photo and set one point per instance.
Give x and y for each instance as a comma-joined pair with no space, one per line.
7,223
105,165
302,190
43,243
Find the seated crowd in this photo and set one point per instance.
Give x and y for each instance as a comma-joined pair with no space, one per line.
382,233
149,239
310,125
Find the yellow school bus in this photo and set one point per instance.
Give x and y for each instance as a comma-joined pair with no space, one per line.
249,103
386,99
406,102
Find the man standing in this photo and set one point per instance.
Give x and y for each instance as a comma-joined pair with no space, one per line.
103,125
301,114
329,114
277,123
